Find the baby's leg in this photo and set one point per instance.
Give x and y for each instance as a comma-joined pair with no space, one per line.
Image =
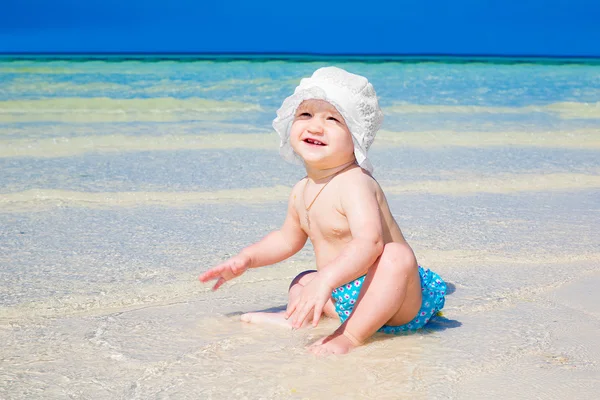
391,294
295,291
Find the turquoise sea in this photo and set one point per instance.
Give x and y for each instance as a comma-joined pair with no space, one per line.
122,179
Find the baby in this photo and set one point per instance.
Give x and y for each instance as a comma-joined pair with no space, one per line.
367,274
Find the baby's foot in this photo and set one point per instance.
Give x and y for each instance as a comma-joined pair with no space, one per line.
271,318
336,343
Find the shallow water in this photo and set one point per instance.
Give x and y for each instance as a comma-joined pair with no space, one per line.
122,181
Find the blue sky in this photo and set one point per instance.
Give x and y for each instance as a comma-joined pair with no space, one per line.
484,27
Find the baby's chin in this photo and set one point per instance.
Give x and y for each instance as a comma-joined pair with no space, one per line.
332,162
320,164
313,160
324,161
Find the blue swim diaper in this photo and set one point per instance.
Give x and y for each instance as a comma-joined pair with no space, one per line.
433,290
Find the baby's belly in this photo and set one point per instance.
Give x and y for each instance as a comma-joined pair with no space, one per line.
325,254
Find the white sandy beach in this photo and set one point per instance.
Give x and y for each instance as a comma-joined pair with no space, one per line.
521,323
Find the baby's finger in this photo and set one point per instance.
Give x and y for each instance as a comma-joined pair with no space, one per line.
212,273
294,314
301,315
219,283
317,314
291,307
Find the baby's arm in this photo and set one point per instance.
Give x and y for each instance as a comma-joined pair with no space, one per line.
273,248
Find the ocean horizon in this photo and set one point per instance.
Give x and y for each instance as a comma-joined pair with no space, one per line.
302,57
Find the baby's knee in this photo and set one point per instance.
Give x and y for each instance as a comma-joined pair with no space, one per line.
398,258
303,278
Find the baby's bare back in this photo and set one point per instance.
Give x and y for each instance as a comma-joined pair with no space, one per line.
328,225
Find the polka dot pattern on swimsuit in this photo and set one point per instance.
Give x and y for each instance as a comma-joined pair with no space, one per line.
433,290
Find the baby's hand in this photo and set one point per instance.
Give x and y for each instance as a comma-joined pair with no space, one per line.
314,297
227,270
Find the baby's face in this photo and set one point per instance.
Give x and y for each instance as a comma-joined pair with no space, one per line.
320,136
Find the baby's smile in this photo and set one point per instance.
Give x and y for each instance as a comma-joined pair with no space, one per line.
314,142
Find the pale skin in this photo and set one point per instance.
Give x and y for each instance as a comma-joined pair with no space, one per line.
352,231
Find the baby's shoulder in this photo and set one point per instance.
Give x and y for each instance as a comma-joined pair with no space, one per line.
299,185
358,177
297,189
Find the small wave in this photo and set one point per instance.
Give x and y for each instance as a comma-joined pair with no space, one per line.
102,109
43,88
64,147
572,110
458,109
7,69
39,199
183,128
564,110
506,184
142,88
574,139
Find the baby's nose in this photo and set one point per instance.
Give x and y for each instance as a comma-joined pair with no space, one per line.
316,125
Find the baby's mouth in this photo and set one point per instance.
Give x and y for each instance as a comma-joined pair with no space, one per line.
314,142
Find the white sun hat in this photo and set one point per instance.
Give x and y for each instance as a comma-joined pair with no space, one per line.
352,95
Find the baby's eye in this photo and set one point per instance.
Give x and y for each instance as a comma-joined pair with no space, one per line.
335,119
304,114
